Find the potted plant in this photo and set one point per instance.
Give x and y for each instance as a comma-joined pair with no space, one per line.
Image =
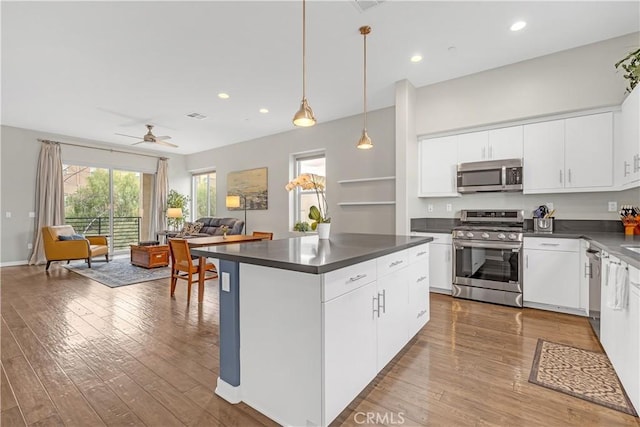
318,214
180,201
631,65
302,226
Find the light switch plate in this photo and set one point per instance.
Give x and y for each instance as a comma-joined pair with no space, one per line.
449,207
226,285
8,214
430,207
613,207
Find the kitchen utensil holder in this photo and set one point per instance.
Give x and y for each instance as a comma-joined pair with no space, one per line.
543,225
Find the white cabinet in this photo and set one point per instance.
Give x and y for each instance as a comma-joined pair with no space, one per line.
570,155
437,163
552,274
495,144
627,161
350,346
440,267
588,147
620,330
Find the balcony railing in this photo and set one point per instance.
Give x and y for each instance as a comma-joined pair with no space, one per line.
126,229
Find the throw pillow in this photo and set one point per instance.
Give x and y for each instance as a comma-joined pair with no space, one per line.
72,237
190,228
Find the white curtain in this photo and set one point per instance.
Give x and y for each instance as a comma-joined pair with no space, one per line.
160,199
49,196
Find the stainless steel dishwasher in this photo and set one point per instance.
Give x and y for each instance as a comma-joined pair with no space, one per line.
594,272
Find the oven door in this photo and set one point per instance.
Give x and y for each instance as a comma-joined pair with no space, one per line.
491,265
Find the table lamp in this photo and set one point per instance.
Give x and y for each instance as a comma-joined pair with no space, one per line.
234,202
174,213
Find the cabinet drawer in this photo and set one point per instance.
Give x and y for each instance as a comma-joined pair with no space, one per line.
339,282
550,244
419,254
392,262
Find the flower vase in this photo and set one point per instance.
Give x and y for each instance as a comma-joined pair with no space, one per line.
324,228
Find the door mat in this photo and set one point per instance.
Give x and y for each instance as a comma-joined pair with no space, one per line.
118,272
580,373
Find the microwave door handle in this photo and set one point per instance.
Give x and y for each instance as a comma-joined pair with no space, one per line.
504,176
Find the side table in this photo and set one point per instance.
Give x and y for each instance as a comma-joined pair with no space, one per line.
150,256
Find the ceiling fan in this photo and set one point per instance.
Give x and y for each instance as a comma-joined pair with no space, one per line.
150,137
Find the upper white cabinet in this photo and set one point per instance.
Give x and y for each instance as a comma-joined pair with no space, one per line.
437,166
627,161
569,155
495,144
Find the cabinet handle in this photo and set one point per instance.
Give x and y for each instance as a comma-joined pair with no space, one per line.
636,163
421,253
375,306
549,244
626,166
560,176
483,151
490,152
526,261
569,176
394,263
382,295
355,278
421,279
587,271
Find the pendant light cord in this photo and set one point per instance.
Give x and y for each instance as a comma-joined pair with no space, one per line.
304,52
365,80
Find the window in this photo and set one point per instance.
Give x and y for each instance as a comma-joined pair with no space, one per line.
204,195
304,199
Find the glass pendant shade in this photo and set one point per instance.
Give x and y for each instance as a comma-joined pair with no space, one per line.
304,116
365,142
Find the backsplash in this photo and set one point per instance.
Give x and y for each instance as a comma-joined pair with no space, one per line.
567,205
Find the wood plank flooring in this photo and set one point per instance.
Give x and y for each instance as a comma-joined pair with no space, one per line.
77,353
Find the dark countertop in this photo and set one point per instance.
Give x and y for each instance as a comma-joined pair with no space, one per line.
308,254
606,235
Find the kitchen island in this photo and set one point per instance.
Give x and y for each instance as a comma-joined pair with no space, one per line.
306,324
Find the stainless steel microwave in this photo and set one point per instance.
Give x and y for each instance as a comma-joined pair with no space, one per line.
493,175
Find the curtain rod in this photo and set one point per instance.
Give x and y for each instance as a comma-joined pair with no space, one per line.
103,149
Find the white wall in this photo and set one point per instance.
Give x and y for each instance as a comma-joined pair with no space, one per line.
19,159
577,79
338,139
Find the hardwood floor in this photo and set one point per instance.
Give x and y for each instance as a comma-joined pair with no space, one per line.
77,353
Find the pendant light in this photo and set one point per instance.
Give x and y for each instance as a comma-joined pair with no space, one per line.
365,142
304,116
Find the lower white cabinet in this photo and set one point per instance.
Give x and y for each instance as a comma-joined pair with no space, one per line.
620,330
418,313
552,273
440,267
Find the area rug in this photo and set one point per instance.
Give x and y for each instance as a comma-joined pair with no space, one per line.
118,272
580,373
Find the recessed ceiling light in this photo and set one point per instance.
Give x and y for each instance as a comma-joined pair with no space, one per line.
198,116
416,58
517,26
264,110
223,95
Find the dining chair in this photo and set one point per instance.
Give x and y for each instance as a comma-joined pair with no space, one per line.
185,268
264,234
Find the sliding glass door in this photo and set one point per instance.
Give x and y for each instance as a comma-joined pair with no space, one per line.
109,202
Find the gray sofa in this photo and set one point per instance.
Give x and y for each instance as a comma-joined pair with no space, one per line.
212,226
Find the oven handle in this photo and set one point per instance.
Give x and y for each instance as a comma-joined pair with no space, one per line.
493,245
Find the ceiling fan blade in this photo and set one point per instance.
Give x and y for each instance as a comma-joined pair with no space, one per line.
163,137
168,144
139,142
130,136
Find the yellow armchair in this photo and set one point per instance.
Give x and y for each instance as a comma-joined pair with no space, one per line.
66,250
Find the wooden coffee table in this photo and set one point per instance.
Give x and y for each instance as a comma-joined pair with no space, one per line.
150,256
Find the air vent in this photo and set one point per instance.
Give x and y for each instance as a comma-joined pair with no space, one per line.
197,116
364,5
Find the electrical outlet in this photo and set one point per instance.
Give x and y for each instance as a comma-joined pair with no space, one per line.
8,214
549,205
430,207
613,207
29,245
449,207
33,215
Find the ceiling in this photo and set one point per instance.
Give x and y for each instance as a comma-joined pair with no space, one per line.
94,69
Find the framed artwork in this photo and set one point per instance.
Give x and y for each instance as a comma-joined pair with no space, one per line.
251,186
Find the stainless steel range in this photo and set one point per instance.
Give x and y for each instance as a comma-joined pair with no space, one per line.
487,256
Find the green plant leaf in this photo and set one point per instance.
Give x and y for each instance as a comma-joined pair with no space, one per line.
314,214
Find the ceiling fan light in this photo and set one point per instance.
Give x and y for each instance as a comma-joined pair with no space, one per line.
304,116
365,142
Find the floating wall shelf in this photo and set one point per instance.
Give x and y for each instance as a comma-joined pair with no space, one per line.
379,178
366,203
